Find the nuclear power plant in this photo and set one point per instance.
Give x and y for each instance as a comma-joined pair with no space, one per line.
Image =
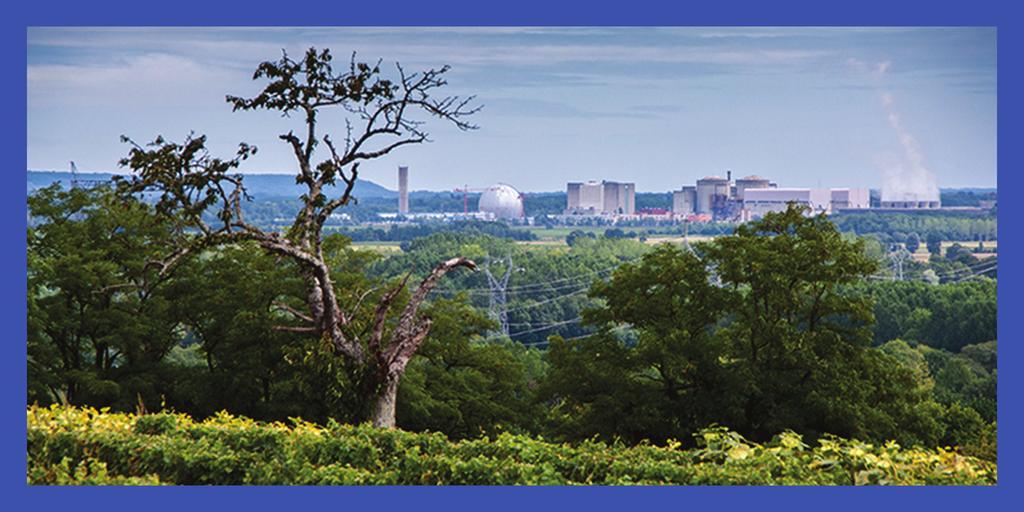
721,199
711,198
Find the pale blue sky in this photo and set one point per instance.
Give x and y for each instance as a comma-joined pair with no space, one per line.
657,106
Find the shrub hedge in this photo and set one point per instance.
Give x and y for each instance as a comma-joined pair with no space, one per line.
68,445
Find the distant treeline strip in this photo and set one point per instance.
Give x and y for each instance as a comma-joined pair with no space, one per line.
408,232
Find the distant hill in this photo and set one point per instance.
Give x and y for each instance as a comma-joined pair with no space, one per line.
260,186
973,190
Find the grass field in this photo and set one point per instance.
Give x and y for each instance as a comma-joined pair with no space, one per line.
922,253
381,247
560,233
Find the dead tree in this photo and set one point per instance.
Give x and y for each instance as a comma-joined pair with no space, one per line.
383,115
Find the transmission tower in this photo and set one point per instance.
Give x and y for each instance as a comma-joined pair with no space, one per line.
713,278
686,235
499,297
897,255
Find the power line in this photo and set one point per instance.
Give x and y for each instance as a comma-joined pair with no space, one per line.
534,286
548,301
981,267
540,328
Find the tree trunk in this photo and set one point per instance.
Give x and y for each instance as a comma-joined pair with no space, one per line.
384,407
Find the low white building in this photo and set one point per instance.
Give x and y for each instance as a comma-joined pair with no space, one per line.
850,198
759,201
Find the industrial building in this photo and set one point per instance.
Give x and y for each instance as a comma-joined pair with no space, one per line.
712,194
758,202
752,196
750,182
604,198
684,202
850,199
585,198
716,196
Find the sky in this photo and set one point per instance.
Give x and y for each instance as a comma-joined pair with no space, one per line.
661,107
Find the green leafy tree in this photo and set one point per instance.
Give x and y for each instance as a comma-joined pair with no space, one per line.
913,242
233,311
959,380
465,385
575,235
758,330
385,115
934,241
100,317
957,252
666,382
985,354
803,340
947,316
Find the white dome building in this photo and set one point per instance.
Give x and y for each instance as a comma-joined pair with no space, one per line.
503,201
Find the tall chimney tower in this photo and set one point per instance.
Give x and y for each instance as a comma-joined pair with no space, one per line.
403,190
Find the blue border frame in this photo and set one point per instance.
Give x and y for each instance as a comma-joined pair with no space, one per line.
523,12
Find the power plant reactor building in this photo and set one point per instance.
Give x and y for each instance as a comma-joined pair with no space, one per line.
604,198
712,193
752,196
503,201
750,182
403,190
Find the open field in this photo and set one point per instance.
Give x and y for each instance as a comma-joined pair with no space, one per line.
381,247
971,244
560,233
922,253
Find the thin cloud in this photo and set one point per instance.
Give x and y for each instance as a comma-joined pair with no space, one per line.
147,78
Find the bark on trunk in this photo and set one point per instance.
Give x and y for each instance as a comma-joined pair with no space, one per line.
384,408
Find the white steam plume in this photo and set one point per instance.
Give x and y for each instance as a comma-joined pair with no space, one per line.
906,178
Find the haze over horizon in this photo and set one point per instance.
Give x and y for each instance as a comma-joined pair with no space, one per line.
661,107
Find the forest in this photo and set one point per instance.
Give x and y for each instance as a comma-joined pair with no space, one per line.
172,340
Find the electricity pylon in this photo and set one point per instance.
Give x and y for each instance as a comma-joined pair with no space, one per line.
499,297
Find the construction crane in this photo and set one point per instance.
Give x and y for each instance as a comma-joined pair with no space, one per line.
465,190
76,183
